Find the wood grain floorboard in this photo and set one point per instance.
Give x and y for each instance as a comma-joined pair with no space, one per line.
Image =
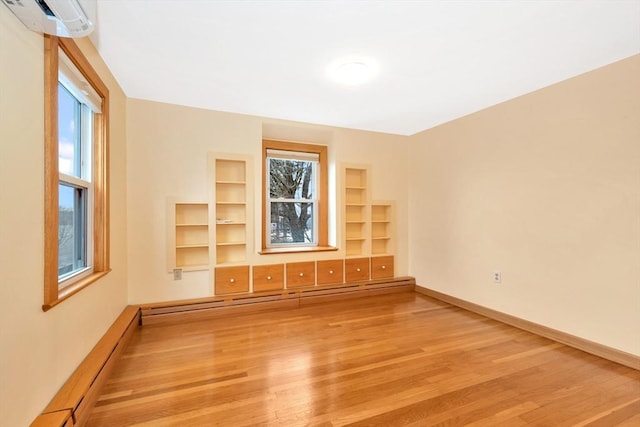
391,360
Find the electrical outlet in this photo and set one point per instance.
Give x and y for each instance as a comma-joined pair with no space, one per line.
177,274
497,277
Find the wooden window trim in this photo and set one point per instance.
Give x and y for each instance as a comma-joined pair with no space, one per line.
323,208
100,178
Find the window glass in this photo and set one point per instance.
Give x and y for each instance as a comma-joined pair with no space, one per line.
292,200
75,141
69,133
72,229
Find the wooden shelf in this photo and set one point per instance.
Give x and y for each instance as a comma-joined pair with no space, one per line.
356,230
230,198
188,230
231,182
381,227
230,203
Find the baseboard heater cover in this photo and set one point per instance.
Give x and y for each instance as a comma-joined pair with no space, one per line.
285,298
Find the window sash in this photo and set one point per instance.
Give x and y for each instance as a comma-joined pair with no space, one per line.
81,225
78,252
313,201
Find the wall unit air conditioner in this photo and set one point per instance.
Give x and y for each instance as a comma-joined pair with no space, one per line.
64,18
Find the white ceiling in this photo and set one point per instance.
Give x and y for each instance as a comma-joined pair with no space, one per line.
438,60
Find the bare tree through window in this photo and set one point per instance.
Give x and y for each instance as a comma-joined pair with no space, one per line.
292,194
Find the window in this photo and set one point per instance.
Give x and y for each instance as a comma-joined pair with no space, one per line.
76,196
74,183
295,197
292,198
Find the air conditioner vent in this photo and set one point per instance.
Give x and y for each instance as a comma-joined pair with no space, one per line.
45,8
64,18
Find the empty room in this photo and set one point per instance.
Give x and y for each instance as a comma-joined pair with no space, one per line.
331,213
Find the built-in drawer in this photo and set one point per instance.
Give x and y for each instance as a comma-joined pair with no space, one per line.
330,271
268,277
301,274
356,269
381,267
232,279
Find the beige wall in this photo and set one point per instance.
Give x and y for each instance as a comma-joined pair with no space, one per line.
545,188
40,350
167,157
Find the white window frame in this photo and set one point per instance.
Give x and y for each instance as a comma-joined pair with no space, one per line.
70,82
314,201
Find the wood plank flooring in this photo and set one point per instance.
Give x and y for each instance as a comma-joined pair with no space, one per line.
390,360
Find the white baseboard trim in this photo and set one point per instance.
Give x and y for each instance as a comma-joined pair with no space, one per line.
618,356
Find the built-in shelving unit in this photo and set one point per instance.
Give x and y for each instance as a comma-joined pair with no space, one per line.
188,235
230,210
356,229
381,228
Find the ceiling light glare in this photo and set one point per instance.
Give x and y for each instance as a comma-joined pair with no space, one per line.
352,71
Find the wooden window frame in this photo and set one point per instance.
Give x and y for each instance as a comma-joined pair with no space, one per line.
100,173
323,199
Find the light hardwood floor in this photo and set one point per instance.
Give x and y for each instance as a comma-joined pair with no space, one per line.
399,359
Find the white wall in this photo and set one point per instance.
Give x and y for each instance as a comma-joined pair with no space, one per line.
167,157
545,188
40,350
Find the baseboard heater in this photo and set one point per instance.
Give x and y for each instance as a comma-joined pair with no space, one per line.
282,298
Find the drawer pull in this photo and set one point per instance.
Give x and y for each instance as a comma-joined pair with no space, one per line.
358,270
232,280
301,274
268,277
330,271
384,267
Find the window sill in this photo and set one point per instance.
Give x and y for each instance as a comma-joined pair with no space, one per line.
297,249
74,288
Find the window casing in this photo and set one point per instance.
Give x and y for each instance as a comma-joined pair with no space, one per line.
294,208
76,165
292,198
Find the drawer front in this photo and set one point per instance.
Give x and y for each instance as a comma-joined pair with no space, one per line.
268,277
356,269
301,274
381,267
330,271
232,279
